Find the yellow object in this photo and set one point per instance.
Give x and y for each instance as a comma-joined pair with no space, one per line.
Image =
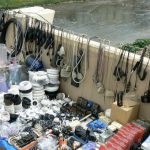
126,113
116,124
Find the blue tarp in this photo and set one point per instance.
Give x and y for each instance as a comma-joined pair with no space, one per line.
4,144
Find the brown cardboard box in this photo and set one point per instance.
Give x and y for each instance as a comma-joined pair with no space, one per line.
126,113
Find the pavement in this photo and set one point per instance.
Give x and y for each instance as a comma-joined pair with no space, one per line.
120,21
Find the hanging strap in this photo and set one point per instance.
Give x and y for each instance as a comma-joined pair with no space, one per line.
98,77
19,41
88,48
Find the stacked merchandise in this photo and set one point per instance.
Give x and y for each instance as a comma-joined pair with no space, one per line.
40,126
25,90
39,80
127,137
61,124
51,89
38,92
32,120
13,103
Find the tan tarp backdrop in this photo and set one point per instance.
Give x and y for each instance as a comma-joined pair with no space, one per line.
88,89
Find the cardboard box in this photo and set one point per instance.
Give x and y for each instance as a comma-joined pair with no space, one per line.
126,113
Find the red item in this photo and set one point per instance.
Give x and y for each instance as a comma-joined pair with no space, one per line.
132,132
113,146
122,140
119,143
141,131
128,138
125,137
128,135
103,147
61,141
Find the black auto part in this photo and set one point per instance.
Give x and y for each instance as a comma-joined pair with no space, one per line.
91,136
25,140
120,98
13,117
81,133
26,103
8,99
118,71
146,97
67,131
19,35
16,100
55,130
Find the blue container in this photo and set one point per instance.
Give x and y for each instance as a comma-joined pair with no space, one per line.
97,124
34,63
3,85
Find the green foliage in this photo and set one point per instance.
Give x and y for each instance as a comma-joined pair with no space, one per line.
141,43
138,45
22,3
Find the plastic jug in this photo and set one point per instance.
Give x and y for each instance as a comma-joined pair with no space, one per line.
3,55
14,77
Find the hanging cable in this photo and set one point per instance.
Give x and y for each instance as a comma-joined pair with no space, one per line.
19,42
99,72
38,58
88,48
83,55
130,75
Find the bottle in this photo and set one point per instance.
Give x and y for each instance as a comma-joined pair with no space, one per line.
3,55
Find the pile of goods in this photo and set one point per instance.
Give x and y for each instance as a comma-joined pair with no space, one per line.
36,115
62,124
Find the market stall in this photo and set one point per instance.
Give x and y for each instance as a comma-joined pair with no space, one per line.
63,90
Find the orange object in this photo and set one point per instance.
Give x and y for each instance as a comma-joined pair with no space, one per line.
61,140
65,142
27,147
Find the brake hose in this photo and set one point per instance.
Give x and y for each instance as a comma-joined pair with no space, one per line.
88,48
19,44
126,71
100,65
78,62
143,75
118,72
128,85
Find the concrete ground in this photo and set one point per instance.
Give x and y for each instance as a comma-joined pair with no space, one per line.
119,21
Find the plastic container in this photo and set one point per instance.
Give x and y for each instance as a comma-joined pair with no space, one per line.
53,71
3,55
14,77
10,109
3,84
51,88
25,90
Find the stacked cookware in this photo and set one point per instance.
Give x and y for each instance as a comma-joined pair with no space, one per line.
51,89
